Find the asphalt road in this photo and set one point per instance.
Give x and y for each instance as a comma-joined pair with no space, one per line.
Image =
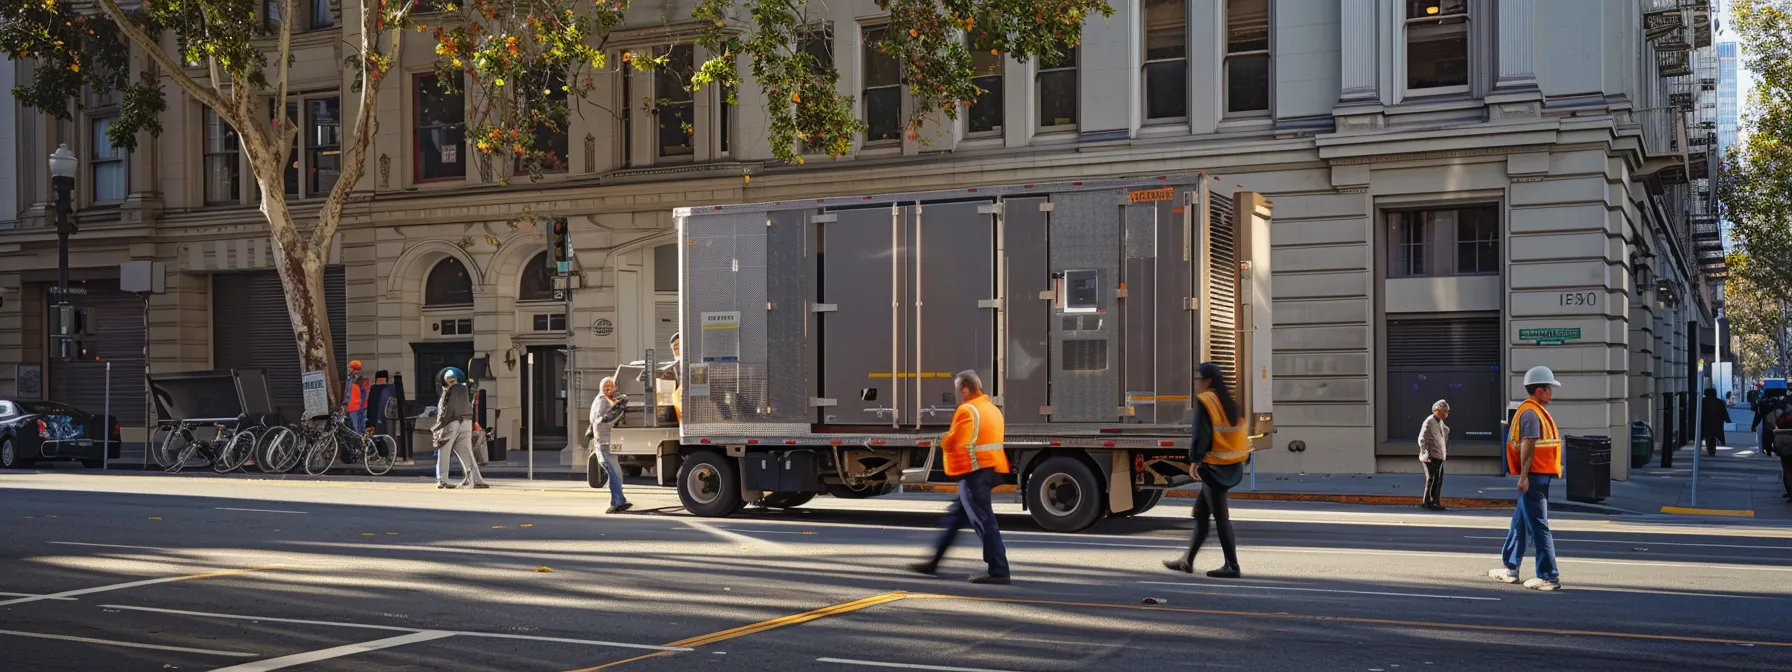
133,572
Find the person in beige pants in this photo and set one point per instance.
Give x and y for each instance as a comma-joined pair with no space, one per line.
454,423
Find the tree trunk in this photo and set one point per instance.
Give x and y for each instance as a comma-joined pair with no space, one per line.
301,267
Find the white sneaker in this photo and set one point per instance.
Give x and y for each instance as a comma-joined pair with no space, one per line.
1543,584
1503,575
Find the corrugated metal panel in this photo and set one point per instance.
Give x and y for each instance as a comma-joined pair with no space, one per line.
251,329
1222,300
118,339
1456,342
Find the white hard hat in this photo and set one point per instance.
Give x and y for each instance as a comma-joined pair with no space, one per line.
1540,375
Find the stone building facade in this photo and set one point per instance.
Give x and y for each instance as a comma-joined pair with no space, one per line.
1447,174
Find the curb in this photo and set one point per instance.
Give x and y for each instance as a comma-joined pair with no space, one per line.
1331,498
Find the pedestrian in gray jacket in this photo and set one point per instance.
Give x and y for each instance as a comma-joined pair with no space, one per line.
1434,437
605,410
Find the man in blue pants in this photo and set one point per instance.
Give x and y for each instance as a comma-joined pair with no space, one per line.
1534,452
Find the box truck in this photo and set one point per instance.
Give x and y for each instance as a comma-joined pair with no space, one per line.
820,339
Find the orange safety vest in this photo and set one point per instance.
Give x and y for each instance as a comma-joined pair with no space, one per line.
975,439
1230,443
357,396
1547,457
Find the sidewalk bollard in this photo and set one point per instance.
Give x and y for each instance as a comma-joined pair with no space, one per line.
1697,428
106,428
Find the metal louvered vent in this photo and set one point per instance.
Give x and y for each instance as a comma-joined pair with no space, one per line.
1087,354
1222,301
1473,341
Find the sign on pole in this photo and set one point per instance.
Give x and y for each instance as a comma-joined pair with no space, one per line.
317,399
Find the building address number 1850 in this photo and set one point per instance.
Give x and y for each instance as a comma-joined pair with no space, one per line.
1580,298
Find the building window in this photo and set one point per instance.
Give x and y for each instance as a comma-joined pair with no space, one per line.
1166,59
551,139
440,128
107,164
1056,85
724,117
290,176
448,285
270,14
554,322
323,132
463,327
1433,243
986,75
677,107
223,169
320,14
538,280
628,116
817,44
665,268
1437,46
883,89
1247,56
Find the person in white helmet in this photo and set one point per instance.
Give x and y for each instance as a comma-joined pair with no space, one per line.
1534,453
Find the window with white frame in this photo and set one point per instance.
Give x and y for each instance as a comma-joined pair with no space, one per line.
883,89
1055,84
1444,242
323,145
987,68
675,103
106,163
222,161
1166,59
1436,46
1247,57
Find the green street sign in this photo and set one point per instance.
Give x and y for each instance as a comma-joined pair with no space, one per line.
1551,336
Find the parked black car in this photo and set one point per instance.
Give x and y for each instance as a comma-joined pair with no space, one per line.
46,430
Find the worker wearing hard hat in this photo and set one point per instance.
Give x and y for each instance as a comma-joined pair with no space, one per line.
1534,453
354,397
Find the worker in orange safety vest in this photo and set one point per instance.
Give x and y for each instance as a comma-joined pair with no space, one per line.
354,397
1534,453
974,455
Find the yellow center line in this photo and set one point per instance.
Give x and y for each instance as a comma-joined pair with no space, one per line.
1285,616
762,626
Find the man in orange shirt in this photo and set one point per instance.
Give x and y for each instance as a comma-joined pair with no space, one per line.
974,455
354,397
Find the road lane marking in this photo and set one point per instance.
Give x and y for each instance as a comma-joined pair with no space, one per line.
1288,616
735,537
904,666
762,626
47,597
1638,542
336,652
1559,560
139,548
226,508
1321,590
129,645
1687,511
394,628
1093,543
134,584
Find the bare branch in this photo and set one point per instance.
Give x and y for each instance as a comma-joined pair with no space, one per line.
285,52
354,155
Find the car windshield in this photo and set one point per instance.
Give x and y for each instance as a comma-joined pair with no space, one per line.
47,407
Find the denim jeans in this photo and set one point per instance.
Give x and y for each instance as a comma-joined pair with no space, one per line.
611,468
973,508
357,420
1530,524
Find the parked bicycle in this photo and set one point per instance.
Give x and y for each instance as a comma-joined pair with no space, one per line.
327,438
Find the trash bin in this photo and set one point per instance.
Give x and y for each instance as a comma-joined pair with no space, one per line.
1589,465
1642,443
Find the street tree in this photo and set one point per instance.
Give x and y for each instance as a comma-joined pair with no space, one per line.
1760,321
225,55
1755,189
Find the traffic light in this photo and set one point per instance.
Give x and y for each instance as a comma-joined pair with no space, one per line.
560,241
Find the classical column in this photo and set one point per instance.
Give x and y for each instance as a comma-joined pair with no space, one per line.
1358,41
1513,52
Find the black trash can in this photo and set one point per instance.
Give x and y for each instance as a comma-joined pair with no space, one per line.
1589,465
1642,443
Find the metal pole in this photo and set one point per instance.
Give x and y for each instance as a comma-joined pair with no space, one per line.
529,438
149,432
1697,428
105,426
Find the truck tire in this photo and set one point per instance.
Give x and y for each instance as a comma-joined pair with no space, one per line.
786,500
843,491
709,485
1063,495
595,474
1142,501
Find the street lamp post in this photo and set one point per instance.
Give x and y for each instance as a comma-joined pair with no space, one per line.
63,166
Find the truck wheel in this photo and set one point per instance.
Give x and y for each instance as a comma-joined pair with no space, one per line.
843,491
1063,495
709,485
1142,501
595,474
786,500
